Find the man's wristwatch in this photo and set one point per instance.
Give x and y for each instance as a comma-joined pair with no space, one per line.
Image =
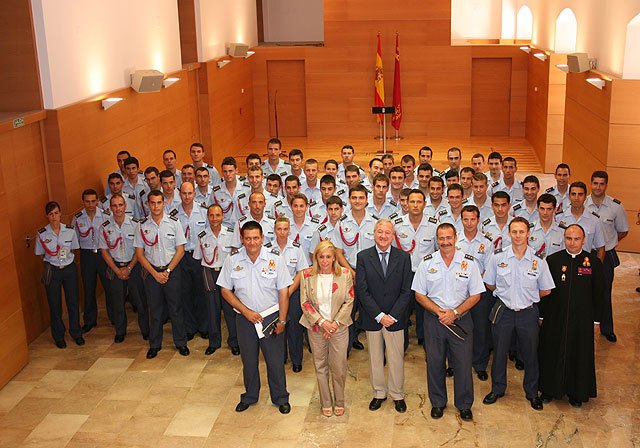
282,322
455,312
168,271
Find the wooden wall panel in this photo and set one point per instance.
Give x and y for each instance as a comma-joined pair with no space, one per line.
537,106
632,242
19,76
23,153
623,145
588,128
188,34
582,162
491,96
13,352
625,101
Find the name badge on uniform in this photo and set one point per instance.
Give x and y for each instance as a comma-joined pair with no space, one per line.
63,254
584,271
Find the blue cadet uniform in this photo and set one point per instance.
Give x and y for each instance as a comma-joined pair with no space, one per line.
282,207
118,242
388,210
256,285
612,215
194,305
206,198
92,266
132,208
107,190
318,210
295,259
212,250
173,203
283,169
590,222
515,191
520,209
234,206
486,211
160,242
341,170
546,243
214,175
563,203
481,249
268,228
517,287
431,210
60,272
312,193
304,235
324,231
499,238
446,216
448,287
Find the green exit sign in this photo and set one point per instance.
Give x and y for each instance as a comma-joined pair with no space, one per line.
18,122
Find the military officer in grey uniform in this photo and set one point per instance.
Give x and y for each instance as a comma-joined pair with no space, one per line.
274,164
87,225
257,214
56,242
212,248
496,228
546,236
611,214
116,247
193,218
115,185
448,284
204,190
561,189
518,279
196,151
327,229
509,183
528,207
159,241
256,283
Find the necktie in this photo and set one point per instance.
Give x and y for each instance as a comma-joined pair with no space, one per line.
383,261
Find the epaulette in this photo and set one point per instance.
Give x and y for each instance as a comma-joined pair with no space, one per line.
277,203
321,227
203,205
559,212
242,218
140,172
495,184
131,196
375,217
173,212
271,217
442,212
315,220
427,257
617,201
286,163
273,195
464,201
312,203
202,234
549,190
398,221
135,220
595,214
537,255
106,211
234,251
79,214
242,178
368,191
518,206
469,257
487,236
343,217
394,203
142,193
486,222
497,251
393,215
229,229
69,226
341,181
296,244
532,225
105,223
175,218
144,220
268,245
275,251
340,192
216,187
433,219
284,173
42,230
242,196
104,200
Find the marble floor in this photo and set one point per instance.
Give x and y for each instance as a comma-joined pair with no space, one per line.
110,395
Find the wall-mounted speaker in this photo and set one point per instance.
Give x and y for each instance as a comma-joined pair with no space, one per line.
145,81
238,50
578,62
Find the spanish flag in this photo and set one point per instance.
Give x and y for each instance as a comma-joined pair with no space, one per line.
378,81
397,95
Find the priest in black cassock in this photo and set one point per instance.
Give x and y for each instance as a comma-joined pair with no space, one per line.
570,316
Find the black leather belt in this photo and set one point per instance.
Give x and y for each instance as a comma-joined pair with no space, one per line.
122,264
160,268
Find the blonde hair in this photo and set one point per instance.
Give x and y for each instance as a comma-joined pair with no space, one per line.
323,246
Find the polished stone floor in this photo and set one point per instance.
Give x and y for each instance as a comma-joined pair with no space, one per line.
109,395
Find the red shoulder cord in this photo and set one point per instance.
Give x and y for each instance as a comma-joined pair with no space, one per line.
106,239
224,211
186,232
86,234
541,252
204,257
146,241
498,241
49,252
349,243
413,245
240,208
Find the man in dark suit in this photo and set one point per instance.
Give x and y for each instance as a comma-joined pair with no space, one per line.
383,284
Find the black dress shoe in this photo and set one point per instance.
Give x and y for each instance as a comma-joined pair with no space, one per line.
241,407
482,375
210,351
519,364
86,328
284,408
436,412
546,398
375,403
400,405
536,403
152,353
512,356
466,415
449,372
575,403
118,338
297,368
611,337
235,351
204,335
184,350
492,398
420,341
190,336
61,344
79,340
357,345
145,336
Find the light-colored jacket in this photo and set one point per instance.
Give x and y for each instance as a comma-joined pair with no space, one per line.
341,299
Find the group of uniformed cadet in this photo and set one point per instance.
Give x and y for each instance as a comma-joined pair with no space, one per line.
189,245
